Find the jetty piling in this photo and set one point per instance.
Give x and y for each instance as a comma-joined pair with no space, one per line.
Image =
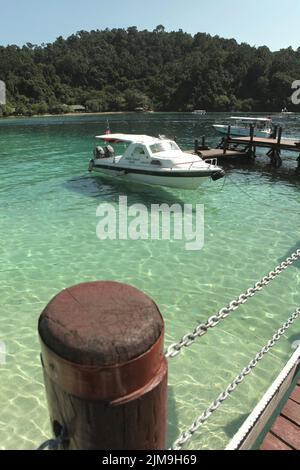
275,130
104,368
232,148
251,150
198,148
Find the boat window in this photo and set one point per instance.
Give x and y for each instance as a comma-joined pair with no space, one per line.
163,146
155,162
256,124
139,151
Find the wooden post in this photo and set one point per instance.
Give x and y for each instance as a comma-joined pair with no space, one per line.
226,140
251,133
204,146
251,152
279,135
196,145
274,135
104,368
277,158
271,154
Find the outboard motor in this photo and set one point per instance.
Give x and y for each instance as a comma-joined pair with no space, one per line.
99,152
109,151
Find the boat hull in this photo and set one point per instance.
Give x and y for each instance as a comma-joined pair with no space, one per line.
239,132
189,181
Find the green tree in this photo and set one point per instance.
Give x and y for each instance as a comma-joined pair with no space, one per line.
122,69
222,103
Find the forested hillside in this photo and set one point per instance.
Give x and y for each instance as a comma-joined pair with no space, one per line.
118,69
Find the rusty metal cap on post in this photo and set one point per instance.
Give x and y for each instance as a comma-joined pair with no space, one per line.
101,340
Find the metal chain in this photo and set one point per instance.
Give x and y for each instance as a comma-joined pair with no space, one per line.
187,435
188,339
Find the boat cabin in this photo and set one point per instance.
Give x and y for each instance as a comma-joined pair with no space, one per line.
246,122
139,149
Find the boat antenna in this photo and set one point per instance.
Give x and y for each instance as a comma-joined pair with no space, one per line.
108,131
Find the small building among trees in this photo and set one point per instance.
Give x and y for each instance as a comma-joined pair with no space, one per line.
77,108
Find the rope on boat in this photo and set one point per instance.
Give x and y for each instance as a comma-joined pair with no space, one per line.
201,329
188,434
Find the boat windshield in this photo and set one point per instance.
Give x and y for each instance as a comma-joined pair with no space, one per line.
164,146
257,124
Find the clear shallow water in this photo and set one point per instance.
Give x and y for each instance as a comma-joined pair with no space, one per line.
48,241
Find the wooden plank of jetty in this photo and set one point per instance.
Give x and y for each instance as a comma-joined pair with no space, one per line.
274,443
219,154
283,144
296,394
285,432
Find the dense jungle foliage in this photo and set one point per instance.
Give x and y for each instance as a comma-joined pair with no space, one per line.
122,69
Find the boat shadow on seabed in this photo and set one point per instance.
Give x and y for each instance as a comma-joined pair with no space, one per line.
109,190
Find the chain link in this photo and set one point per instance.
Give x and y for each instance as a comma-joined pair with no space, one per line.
187,435
201,329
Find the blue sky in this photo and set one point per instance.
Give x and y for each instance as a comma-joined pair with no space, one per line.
274,23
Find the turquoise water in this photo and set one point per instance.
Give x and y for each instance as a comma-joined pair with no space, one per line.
48,241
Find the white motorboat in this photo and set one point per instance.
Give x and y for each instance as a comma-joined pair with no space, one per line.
202,112
286,112
240,126
151,160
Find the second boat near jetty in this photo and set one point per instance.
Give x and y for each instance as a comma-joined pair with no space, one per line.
240,126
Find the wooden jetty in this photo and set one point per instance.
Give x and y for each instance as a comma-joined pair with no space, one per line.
219,154
285,432
222,153
275,145
263,429
232,147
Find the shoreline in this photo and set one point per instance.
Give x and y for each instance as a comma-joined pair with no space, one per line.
69,114
109,113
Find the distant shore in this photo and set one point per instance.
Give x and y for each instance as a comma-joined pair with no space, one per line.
108,113
71,114
88,114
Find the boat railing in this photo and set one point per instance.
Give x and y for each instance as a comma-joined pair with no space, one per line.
212,162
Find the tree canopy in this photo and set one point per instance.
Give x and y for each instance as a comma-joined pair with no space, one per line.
122,69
